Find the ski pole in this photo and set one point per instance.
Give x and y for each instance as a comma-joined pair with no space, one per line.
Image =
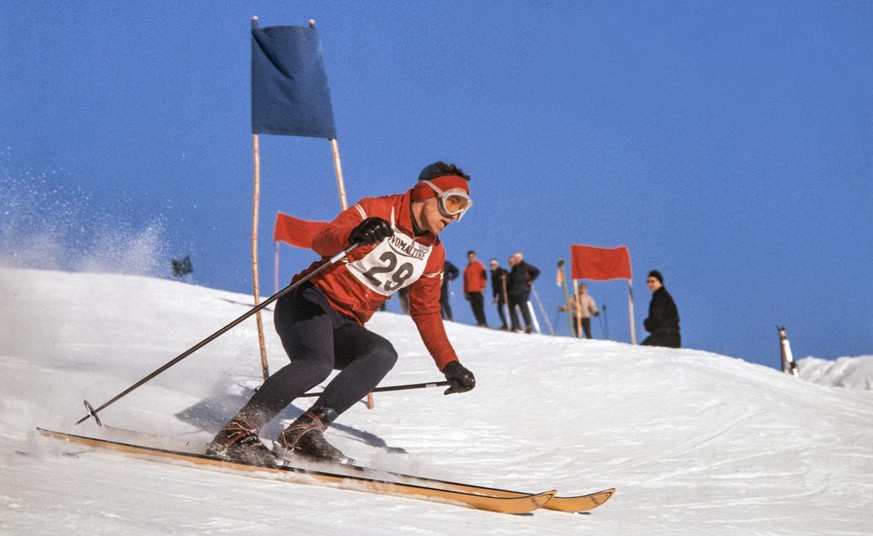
321,267
603,323
557,316
394,388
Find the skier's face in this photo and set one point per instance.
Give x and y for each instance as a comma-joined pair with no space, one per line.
431,219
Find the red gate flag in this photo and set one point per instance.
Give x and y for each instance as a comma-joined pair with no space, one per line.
296,232
600,264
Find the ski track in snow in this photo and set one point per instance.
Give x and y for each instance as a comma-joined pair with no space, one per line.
695,442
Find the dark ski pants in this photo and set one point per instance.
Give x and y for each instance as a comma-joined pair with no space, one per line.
520,301
586,327
445,305
318,340
501,303
477,303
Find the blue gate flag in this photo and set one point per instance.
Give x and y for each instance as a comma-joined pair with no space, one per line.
290,95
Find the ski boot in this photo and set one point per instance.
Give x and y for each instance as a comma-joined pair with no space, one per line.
305,437
238,441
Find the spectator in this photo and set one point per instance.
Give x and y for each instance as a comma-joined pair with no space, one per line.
663,320
475,281
450,273
521,277
583,308
499,278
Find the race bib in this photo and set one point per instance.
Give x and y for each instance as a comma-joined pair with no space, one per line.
395,263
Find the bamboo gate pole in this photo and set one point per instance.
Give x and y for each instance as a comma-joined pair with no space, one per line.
630,306
256,199
276,265
563,277
341,187
265,368
578,304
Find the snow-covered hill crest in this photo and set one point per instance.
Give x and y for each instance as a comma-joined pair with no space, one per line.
693,441
848,372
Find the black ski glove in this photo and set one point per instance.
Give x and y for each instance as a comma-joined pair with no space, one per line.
460,379
371,231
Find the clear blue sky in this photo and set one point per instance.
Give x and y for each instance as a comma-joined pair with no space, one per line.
727,144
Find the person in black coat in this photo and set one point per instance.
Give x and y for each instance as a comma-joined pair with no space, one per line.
499,282
521,277
663,320
450,273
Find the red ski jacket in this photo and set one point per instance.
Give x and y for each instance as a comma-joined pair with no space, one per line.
371,274
475,277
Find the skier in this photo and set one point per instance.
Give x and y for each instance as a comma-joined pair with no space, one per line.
321,323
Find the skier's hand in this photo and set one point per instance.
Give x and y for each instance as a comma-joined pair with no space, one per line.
371,231
460,379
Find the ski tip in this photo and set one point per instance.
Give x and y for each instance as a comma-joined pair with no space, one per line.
604,495
541,499
581,503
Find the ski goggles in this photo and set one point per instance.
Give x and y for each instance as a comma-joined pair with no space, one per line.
454,202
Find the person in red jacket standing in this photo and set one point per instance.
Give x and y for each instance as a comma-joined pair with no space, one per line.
475,281
321,323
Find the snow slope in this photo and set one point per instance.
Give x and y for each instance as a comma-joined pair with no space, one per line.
848,372
695,442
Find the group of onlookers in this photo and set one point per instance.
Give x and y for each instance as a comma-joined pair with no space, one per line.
511,288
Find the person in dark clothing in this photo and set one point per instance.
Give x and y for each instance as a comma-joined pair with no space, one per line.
450,273
663,320
521,277
499,283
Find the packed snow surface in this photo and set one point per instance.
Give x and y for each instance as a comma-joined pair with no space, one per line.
695,443
848,372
